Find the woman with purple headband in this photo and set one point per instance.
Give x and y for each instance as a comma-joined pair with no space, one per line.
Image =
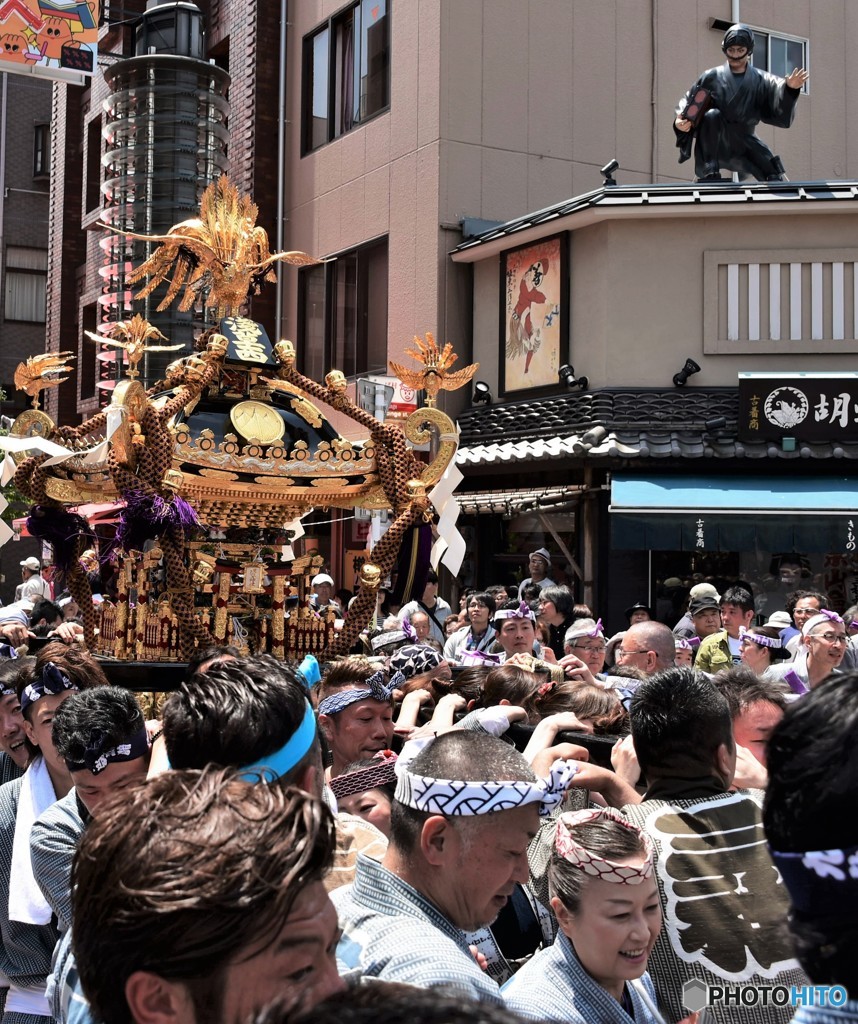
604,894
760,647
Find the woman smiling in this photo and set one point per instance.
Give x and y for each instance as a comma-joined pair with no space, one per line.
604,893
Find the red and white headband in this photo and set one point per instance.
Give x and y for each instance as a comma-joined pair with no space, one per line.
591,863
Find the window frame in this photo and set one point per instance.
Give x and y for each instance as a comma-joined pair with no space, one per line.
42,167
769,34
10,269
331,26
362,254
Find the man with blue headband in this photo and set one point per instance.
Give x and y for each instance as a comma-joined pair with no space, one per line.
254,714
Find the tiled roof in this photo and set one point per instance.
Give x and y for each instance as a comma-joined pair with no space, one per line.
652,423
510,501
681,194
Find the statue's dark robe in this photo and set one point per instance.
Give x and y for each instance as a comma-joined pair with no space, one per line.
725,136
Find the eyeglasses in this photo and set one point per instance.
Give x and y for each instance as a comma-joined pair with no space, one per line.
621,652
592,648
832,638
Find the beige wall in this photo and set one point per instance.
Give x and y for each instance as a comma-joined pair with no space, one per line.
379,179
637,297
501,107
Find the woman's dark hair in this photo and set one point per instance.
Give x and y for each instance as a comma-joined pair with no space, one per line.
595,704
775,653
468,682
609,839
508,682
561,597
582,611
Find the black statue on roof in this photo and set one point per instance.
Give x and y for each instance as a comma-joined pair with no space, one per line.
723,107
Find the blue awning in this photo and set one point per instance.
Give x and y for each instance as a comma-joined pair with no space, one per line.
734,513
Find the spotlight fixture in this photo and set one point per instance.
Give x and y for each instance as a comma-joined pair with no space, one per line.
482,393
566,374
607,172
681,379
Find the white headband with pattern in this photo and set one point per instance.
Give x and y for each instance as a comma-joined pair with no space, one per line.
455,797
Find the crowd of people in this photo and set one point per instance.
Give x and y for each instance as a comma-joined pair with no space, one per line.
497,813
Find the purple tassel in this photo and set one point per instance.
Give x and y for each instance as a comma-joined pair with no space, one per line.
413,565
145,518
62,530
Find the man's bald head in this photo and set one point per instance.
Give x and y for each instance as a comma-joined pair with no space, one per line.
656,641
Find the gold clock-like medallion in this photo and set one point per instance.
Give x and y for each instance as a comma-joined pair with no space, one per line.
256,421
32,423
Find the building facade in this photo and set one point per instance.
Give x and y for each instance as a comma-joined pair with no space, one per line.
378,134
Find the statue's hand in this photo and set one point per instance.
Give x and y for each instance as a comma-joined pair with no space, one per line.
797,79
683,124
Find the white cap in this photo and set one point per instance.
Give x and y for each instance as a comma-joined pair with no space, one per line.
32,563
780,620
543,553
322,577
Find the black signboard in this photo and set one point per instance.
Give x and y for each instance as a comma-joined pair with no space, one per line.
815,409
248,342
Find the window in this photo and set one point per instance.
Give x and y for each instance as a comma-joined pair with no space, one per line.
346,72
93,165
779,54
26,284
88,353
342,313
42,150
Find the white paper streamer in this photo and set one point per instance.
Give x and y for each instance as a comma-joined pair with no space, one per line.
296,528
57,452
450,546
